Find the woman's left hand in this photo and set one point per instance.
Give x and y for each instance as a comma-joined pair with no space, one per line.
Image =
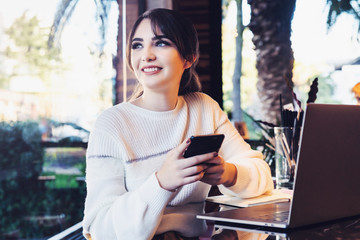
220,172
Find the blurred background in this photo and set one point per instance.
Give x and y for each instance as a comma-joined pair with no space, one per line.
53,86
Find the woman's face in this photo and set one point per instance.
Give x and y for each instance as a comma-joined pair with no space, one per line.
155,60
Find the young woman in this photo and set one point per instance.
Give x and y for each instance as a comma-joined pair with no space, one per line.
138,183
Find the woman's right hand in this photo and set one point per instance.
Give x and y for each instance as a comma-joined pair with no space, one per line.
177,171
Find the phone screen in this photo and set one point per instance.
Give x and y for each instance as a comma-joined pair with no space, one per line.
204,144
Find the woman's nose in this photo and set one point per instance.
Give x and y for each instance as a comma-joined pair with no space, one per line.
148,54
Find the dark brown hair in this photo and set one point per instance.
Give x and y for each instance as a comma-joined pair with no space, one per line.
182,33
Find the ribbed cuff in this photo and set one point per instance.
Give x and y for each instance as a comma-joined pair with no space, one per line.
242,181
154,195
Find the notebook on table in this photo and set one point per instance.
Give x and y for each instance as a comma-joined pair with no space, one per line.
327,179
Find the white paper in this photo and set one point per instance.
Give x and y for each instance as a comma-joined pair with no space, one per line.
276,196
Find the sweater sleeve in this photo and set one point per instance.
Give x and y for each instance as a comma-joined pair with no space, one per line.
253,173
110,211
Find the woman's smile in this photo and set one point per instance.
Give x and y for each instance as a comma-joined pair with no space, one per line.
151,69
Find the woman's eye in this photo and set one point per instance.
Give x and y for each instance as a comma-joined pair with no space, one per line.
162,43
136,46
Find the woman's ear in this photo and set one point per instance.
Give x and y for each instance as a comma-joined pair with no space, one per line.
189,62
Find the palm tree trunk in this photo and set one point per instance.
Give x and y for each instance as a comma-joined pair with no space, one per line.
271,25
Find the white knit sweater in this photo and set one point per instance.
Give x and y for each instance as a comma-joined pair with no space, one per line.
128,145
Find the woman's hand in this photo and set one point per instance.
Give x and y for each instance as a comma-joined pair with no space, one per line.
177,171
220,172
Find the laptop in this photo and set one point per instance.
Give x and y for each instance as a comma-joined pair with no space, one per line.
327,178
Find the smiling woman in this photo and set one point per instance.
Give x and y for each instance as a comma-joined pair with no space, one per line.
137,174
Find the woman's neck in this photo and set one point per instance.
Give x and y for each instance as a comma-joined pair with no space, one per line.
156,102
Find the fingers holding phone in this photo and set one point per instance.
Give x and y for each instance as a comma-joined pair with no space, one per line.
203,145
220,172
191,161
177,171
216,170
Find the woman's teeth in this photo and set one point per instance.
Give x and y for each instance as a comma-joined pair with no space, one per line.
153,69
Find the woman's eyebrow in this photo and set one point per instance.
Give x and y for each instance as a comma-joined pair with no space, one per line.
159,37
137,40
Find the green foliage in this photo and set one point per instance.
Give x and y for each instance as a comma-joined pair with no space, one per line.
62,181
21,158
21,153
326,88
32,209
263,140
4,80
70,158
28,49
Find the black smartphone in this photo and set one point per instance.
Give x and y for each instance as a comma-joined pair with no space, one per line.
204,144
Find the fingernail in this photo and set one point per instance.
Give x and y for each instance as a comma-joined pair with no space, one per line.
188,141
216,154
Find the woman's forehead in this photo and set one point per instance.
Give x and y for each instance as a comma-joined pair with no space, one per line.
148,27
